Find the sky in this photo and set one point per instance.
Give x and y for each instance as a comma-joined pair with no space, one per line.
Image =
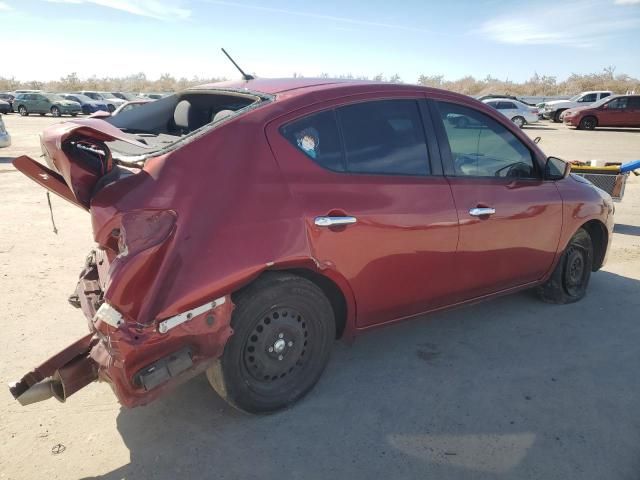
510,39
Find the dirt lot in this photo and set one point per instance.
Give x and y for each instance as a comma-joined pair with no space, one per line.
511,388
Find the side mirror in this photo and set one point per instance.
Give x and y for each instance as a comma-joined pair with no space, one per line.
556,169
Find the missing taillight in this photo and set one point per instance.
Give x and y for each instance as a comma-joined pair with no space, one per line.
95,155
143,229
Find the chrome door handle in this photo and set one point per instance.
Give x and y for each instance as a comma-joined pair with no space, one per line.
480,211
334,221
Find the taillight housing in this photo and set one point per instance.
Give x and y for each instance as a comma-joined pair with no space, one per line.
143,229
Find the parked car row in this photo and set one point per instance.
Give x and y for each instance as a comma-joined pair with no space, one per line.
586,110
86,102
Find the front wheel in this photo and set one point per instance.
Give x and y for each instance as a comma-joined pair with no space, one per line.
55,111
568,282
588,123
284,328
557,115
22,110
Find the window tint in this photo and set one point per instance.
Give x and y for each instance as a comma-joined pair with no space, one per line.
592,97
483,147
384,137
618,103
317,137
506,106
381,137
492,104
604,95
634,103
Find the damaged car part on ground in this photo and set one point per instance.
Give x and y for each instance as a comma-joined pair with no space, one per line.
241,227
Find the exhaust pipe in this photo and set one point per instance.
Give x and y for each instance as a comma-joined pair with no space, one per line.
37,393
66,381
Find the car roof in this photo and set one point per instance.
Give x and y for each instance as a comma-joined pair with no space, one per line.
279,85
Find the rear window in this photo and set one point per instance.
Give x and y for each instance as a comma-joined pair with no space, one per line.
381,137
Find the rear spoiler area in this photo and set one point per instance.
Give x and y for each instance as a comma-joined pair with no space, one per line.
77,157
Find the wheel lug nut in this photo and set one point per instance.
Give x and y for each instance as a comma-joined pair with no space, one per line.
280,335
290,343
270,349
280,357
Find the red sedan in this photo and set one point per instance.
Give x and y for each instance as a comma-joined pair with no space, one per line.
614,111
241,227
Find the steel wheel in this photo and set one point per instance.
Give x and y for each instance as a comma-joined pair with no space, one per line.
277,346
22,110
284,327
55,111
574,271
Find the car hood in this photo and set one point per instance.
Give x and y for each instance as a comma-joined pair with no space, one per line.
558,102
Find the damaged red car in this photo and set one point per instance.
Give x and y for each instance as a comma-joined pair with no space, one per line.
242,227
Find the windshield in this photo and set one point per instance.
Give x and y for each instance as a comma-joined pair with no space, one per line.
107,95
575,98
55,98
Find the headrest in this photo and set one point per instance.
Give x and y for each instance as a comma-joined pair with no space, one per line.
222,114
181,114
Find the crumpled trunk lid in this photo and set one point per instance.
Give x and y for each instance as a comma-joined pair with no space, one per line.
77,158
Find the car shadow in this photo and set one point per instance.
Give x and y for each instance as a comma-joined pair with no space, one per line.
538,127
626,229
6,159
511,386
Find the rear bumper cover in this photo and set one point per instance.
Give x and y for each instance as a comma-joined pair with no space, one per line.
139,361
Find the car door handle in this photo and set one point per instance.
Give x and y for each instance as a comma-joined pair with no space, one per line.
334,221
480,211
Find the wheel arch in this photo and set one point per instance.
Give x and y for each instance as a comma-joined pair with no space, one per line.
333,285
600,240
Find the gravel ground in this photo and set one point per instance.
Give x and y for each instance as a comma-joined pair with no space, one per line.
511,388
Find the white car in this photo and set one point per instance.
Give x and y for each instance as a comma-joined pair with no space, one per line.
5,138
553,110
516,111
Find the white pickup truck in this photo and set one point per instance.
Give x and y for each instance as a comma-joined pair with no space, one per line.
553,110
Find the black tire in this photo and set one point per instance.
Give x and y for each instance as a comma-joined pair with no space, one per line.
22,110
556,115
55,111
74,114
111,108
284,329
42,114
588,123
569,281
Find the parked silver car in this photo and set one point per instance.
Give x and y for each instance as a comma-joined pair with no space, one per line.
518,112
5,138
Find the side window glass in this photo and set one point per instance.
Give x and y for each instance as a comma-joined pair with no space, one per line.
604,95
384,137
317,137
588,98
618,103
483,147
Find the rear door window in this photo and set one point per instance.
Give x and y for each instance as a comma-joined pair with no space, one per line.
379,137
618,103
482,147
318,138
385,137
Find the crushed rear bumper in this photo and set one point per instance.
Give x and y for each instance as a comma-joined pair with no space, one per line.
140,362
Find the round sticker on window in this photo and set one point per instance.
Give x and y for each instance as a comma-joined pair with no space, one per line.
308,141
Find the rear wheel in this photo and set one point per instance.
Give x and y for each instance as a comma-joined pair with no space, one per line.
556,116
519,121
111,108
588,123
284,328
568,282
55,111
22,110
